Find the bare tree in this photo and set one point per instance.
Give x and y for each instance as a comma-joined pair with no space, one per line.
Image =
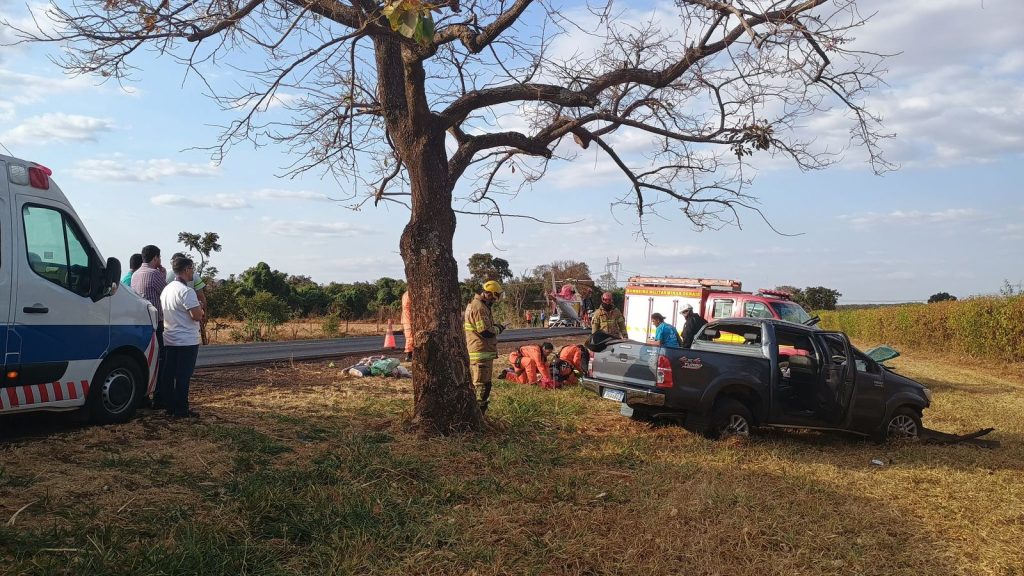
405,99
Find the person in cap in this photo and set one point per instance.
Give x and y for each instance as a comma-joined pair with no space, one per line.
482,338
692,323
608,319
664,333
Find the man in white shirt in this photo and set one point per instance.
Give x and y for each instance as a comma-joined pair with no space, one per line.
182,315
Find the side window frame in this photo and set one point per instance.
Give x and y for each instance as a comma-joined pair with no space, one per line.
67,224
714,307
764,311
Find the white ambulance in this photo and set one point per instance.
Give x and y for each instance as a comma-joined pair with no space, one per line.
72,340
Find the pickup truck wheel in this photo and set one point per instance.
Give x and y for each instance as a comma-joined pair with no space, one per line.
903,424
730,418
115,391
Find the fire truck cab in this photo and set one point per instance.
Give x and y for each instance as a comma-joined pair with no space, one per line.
711,298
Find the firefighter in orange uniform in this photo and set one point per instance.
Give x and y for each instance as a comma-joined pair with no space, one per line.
579,358
530,365
407,325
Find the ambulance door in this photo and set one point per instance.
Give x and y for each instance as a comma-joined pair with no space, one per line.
64,332
6,265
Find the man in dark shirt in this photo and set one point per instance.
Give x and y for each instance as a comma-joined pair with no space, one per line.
693,323
149,281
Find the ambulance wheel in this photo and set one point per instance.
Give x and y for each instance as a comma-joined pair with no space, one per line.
115,391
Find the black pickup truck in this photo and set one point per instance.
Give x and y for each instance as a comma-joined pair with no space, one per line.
747,372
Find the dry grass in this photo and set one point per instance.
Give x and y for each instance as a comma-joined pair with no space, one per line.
219,329
296,470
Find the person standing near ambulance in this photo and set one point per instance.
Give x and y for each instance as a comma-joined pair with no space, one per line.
608,319
182,315
482,338
149,282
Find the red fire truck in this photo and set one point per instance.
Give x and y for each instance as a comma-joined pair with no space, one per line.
711,298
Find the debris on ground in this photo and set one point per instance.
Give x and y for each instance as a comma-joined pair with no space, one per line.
378,365
974,438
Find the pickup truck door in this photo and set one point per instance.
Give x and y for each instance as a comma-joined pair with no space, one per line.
839,376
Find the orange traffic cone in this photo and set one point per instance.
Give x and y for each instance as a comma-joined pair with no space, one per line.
389,338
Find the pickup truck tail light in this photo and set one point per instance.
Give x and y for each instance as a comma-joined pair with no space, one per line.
664,372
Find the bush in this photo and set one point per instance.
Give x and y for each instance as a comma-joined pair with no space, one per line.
330,325
989,327
263,313
222,301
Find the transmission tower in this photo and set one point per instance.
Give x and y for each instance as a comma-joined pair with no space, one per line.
610,278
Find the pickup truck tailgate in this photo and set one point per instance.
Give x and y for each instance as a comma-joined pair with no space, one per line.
630,363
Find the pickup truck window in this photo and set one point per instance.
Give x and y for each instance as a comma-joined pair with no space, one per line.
756,310
737,334
722,309
865,364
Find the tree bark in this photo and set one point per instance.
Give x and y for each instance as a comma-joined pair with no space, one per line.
445,402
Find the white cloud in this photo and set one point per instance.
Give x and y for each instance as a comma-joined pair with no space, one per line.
912,217
218,201
277,194
22,88
120,170
306,229
55,127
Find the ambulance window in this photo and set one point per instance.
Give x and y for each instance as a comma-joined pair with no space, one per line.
55,249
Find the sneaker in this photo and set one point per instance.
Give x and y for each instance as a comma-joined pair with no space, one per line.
408,357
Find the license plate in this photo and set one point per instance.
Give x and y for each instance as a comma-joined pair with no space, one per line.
615,395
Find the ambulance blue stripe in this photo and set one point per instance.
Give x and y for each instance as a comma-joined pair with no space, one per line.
53,343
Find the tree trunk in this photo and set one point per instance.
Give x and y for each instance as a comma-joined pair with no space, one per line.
445,401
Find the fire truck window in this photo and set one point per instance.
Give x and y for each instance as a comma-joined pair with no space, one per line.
723,309
756,310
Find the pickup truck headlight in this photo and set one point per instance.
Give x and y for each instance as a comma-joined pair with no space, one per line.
927,394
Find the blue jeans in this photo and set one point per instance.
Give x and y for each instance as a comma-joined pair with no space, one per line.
180,362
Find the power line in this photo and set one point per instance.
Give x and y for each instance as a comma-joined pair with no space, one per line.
9,153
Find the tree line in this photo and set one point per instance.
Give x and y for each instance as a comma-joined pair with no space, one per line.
265,297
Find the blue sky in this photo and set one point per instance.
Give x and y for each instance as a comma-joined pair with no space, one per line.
950,219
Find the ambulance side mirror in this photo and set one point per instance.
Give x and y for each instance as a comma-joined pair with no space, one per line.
110,275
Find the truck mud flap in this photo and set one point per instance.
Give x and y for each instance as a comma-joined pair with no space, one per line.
974,438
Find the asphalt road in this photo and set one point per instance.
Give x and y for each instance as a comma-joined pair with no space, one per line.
236,354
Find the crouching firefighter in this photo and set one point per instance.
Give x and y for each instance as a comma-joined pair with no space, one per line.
530,365
482,339
571,364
